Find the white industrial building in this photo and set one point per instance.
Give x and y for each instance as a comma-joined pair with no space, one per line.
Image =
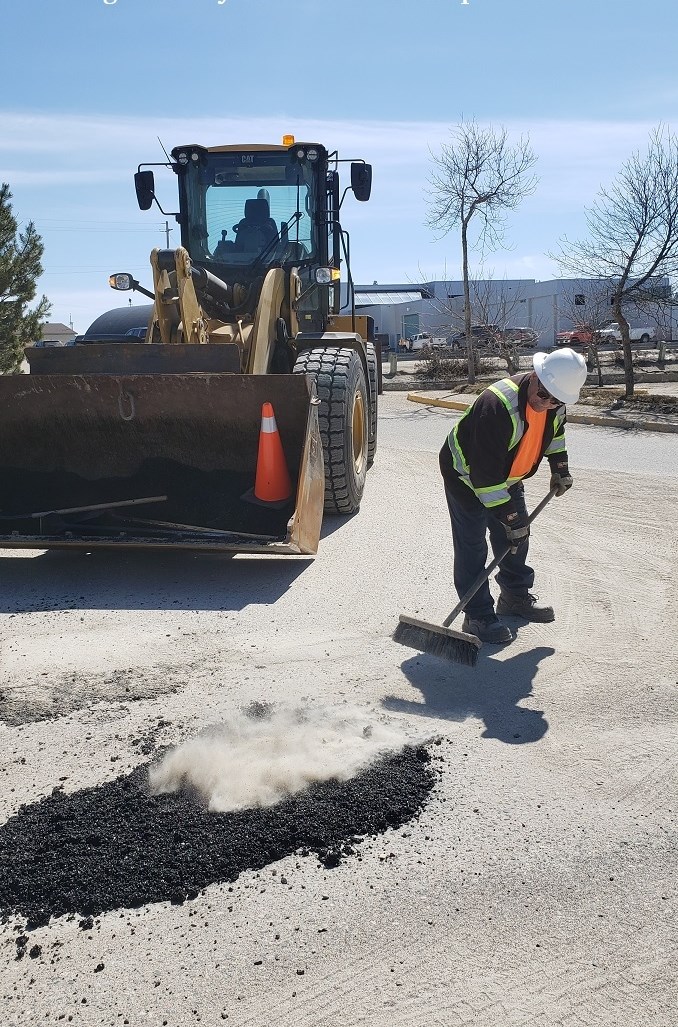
406,309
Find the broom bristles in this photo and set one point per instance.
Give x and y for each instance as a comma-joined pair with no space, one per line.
436,640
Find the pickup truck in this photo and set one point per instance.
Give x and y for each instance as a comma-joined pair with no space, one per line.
612,333
418,342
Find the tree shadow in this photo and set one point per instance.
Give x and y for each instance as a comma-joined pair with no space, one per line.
490,692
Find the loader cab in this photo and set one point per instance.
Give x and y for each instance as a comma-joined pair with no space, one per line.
246,209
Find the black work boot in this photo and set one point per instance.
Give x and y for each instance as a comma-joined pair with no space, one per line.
487,629
526,606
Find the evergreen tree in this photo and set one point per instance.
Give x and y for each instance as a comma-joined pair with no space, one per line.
20,268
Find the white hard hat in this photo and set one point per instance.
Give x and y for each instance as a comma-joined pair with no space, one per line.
562,372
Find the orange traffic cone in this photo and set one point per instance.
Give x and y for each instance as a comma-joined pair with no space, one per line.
272,483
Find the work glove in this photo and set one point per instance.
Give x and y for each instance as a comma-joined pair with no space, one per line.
517,531
560,483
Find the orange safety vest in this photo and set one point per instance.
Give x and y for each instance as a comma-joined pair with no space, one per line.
530,446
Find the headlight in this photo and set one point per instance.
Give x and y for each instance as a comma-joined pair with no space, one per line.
323,275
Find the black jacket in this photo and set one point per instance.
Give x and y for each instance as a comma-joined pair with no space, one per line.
485,440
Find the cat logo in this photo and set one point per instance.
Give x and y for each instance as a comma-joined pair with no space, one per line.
247,158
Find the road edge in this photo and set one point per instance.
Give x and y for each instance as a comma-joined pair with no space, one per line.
572,416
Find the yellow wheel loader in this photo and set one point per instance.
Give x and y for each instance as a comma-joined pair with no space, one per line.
145,432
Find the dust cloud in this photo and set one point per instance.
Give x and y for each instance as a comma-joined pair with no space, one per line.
263,754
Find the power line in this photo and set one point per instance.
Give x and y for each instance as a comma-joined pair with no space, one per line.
87,221
99,231
65,269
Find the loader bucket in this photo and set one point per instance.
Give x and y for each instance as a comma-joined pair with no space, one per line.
81,455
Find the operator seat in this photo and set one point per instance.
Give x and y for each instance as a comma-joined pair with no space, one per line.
257,228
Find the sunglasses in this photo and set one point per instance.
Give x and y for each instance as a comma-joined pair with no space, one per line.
546,395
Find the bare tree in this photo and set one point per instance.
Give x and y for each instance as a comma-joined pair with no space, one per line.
632,234
588,309
480,176
493,306
666,317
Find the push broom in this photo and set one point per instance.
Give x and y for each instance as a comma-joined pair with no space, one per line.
440,639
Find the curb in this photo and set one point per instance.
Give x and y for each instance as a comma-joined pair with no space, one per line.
399,385
448,404
621,422
596,419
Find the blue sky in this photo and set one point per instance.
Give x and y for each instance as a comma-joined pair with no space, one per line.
88,87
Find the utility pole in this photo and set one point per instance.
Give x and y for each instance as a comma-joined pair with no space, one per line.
167,233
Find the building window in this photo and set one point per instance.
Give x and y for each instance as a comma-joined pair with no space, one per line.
579,299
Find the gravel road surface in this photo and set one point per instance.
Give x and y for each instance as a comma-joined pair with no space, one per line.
501,848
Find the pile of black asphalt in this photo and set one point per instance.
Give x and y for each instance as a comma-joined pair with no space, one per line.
117,846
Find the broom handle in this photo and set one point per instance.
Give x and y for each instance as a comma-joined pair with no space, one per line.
482,578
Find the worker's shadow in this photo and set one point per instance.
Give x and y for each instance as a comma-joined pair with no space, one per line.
491,692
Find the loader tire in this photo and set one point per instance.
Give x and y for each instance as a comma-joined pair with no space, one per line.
343,420
373,375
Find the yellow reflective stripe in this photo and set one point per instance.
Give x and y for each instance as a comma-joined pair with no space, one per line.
505,383
458,459
557,443
494,495
507,392
496,502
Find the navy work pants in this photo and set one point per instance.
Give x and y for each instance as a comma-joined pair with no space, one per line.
471,522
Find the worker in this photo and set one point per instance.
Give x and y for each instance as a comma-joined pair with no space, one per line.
500,440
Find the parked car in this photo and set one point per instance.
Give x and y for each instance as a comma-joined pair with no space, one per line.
613,334
481,333
525,336
580,335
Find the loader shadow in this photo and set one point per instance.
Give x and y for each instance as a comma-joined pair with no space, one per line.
491,692
334,522
106,580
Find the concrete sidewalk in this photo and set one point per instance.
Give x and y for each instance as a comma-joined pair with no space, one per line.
609,415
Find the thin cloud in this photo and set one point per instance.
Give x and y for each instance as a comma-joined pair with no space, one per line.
76,167
48,178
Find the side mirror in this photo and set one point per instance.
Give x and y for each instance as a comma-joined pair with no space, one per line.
144,183
361,180
121,281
